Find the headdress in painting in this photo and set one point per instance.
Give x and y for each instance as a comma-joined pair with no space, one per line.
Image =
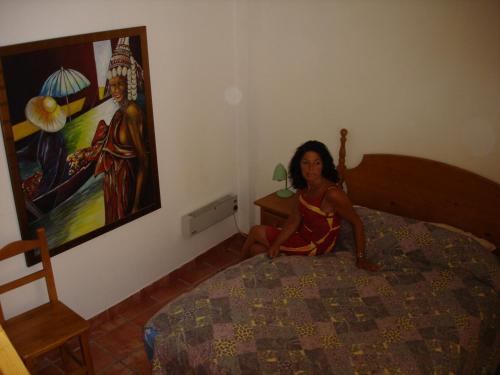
123,64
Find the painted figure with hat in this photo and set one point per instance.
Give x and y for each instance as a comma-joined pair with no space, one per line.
48,116
121,153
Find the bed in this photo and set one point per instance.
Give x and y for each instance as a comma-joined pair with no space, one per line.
432,308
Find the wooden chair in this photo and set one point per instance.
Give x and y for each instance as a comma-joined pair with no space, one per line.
46,327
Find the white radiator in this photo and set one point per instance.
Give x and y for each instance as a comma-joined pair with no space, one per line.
208,215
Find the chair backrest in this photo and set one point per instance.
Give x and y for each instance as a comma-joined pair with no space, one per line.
20,247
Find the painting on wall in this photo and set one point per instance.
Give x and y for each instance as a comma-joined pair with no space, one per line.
77,124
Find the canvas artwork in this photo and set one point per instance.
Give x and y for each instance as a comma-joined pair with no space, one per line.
78,130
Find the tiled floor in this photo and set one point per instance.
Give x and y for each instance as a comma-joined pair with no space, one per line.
116,335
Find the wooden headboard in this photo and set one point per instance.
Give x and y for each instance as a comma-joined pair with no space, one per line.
424,189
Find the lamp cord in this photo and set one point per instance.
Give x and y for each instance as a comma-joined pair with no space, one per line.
237,226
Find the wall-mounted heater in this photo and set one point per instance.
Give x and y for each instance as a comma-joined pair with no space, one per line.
208,215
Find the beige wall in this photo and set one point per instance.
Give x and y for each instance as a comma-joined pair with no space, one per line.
191,63
414,77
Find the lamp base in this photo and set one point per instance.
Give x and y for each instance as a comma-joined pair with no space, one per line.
284,193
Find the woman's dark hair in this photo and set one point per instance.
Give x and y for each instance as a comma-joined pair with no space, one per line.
329,172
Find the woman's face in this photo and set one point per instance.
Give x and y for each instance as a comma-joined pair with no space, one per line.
118,88
311,166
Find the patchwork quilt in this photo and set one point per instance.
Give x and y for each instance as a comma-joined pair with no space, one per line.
432,309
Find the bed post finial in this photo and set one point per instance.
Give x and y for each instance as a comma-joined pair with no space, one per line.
341,165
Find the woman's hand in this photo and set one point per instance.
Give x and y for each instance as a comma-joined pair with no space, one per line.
366,265
273,251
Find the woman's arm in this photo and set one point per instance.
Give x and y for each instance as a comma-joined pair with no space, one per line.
134,124
291,225
340,203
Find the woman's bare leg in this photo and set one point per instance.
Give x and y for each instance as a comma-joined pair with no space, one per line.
257,248
256,241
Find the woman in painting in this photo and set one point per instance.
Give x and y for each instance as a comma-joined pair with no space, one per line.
314,224
120,150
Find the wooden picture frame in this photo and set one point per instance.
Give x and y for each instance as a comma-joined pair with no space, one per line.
77,123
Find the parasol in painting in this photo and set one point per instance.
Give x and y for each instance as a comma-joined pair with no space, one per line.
63,83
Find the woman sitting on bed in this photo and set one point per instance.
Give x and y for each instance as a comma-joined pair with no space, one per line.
314,224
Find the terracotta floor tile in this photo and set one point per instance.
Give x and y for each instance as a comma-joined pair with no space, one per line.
123,340
167,293
54,356
137,307
116,369
147,290
138,361
179,272
236,242
69,365
142,318
210,253
117,334
99,319
101,358
197,274
107,327
222,259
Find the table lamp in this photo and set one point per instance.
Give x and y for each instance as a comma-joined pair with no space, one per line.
280,174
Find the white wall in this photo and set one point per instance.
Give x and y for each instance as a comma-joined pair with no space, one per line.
404,76
192,62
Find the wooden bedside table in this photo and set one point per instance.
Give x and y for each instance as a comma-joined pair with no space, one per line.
274,210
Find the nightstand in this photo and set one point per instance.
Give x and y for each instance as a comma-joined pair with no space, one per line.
274,210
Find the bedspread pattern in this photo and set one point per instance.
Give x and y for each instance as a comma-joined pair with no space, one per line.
433,308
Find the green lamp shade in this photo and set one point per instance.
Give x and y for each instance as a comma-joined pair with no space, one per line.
280,174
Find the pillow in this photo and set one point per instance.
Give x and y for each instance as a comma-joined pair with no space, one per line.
484,243
361,210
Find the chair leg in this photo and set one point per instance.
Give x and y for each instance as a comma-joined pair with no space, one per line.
87,358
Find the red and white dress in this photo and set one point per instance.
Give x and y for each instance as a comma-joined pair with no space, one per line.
317,233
